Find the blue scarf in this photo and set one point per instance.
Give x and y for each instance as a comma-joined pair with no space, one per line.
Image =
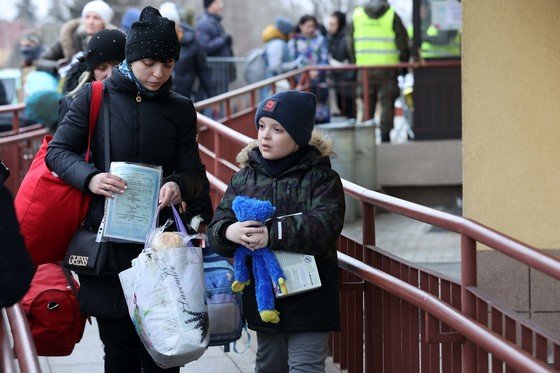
126,70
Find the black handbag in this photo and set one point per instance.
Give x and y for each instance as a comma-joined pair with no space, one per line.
85,255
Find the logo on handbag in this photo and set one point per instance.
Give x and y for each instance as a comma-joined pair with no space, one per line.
77,260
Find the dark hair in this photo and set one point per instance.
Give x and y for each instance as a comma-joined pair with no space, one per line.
308,17
341,17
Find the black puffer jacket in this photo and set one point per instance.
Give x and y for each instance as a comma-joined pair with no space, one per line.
16,267
192,65
314,189
159,130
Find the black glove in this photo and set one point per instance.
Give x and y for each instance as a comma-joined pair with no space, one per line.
227,39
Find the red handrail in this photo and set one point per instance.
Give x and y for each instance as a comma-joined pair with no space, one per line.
463,320
522,252
490,341
23,347
15,109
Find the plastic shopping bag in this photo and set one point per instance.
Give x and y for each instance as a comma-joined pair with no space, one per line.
166,297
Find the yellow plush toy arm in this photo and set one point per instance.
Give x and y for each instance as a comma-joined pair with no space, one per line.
282,285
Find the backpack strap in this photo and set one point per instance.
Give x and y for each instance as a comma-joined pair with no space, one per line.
94,106
247,343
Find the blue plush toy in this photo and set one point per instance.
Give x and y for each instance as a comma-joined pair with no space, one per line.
265,266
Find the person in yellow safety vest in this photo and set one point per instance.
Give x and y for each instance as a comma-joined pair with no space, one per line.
436,43
441,43
377,36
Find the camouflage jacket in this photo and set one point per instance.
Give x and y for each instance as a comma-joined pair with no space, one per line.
310,193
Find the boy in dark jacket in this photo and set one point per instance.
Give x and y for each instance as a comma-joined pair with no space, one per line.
289,167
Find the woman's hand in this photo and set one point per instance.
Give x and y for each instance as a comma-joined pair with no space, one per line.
169,194
106,184
250,234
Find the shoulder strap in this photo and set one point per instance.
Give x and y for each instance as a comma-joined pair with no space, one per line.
72,284
70,280
94,106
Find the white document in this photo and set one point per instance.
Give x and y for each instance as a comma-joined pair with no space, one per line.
129,216
446,15
300,270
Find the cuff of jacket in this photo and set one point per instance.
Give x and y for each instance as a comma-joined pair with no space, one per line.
218,240
179,182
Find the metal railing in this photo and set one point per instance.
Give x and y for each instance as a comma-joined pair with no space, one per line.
17,152
396,316
15,111
227,72
17,344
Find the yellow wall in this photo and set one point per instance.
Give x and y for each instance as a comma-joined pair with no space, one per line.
511,117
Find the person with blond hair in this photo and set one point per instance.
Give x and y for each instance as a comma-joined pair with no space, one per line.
75,35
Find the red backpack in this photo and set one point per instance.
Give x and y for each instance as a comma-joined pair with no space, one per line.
50,211
53,311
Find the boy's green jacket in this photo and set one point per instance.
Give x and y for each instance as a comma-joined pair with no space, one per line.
313,189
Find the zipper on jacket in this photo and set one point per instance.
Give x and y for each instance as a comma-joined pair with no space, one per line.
274,181
137,123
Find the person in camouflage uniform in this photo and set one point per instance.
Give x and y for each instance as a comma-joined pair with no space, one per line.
290,167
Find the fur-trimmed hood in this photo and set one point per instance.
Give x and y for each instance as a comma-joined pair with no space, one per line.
67,37
322,142
73,37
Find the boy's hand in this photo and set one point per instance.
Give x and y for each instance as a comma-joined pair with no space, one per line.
250,234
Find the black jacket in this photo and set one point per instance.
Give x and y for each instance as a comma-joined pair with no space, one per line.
16,267
159,130
338,49
314,189
212,36
192,65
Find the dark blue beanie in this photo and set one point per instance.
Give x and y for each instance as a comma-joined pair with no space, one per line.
130,15
284,25
294,110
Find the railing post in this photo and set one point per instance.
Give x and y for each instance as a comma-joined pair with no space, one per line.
468,302
365,93
15,121
368,224
217,152
373,348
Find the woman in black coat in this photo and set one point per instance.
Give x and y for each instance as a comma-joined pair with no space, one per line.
149,124
192,66
344,80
